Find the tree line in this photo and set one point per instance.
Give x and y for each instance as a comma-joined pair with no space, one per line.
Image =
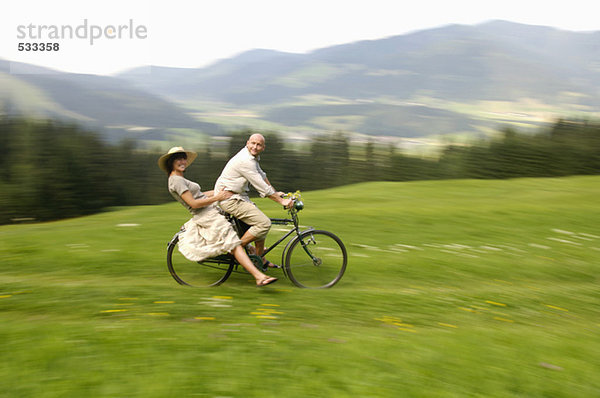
52,170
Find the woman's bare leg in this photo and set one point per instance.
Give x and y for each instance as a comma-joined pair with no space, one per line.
248,265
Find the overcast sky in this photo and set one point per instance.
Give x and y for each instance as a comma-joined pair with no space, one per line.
108,36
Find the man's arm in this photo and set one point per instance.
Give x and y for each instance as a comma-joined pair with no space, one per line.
250,171
278,197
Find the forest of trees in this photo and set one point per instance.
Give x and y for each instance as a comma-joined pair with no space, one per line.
51,170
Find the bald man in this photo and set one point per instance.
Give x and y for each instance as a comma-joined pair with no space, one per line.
239,173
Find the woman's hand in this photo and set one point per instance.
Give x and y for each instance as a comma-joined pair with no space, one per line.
222,195
210,198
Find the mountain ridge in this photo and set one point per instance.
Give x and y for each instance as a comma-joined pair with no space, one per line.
398,53
109,104
450,80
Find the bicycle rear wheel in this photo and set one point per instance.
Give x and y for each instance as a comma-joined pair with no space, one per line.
210,272
317,259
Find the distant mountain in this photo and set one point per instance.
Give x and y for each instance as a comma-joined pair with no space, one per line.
437,81
112,105
232,75
454,80
493,61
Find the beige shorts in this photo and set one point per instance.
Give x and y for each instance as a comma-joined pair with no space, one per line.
250,214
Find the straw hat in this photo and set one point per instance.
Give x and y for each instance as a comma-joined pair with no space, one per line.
162,161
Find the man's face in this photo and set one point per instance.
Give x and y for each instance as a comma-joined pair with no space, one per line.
256,145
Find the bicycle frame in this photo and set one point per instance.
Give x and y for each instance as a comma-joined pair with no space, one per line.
295,229
282,221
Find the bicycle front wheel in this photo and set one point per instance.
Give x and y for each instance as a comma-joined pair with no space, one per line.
211,272
316,259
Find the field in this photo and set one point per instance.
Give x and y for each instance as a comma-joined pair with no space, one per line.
453,289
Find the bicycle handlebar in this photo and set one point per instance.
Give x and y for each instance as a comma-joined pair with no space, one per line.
297,198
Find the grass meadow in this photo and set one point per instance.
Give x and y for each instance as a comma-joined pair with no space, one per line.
460,288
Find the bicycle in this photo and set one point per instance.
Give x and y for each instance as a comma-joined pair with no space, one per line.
311,259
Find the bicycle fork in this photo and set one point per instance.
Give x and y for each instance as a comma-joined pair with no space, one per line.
316,260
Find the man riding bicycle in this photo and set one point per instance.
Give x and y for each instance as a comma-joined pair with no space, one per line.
241,171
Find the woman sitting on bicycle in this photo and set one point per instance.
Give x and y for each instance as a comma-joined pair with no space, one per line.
207,234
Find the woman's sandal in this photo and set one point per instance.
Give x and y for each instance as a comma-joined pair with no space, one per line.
266,281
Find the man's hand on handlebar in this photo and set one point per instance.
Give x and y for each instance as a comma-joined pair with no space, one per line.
287,203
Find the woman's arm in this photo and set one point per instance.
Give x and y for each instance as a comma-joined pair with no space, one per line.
203,202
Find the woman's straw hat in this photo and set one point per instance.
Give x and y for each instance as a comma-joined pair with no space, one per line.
162,161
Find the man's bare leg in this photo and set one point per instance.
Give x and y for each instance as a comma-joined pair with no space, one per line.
248,238
260,247
259,244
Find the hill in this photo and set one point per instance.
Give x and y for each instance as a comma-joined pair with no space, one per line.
453,288
112,105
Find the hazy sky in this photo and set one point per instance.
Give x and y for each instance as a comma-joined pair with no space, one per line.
104,37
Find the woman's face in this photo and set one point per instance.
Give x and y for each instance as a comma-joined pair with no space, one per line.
180,164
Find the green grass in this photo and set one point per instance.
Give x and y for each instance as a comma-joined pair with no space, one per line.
453,289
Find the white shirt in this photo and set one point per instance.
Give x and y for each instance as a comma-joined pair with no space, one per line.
241,170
